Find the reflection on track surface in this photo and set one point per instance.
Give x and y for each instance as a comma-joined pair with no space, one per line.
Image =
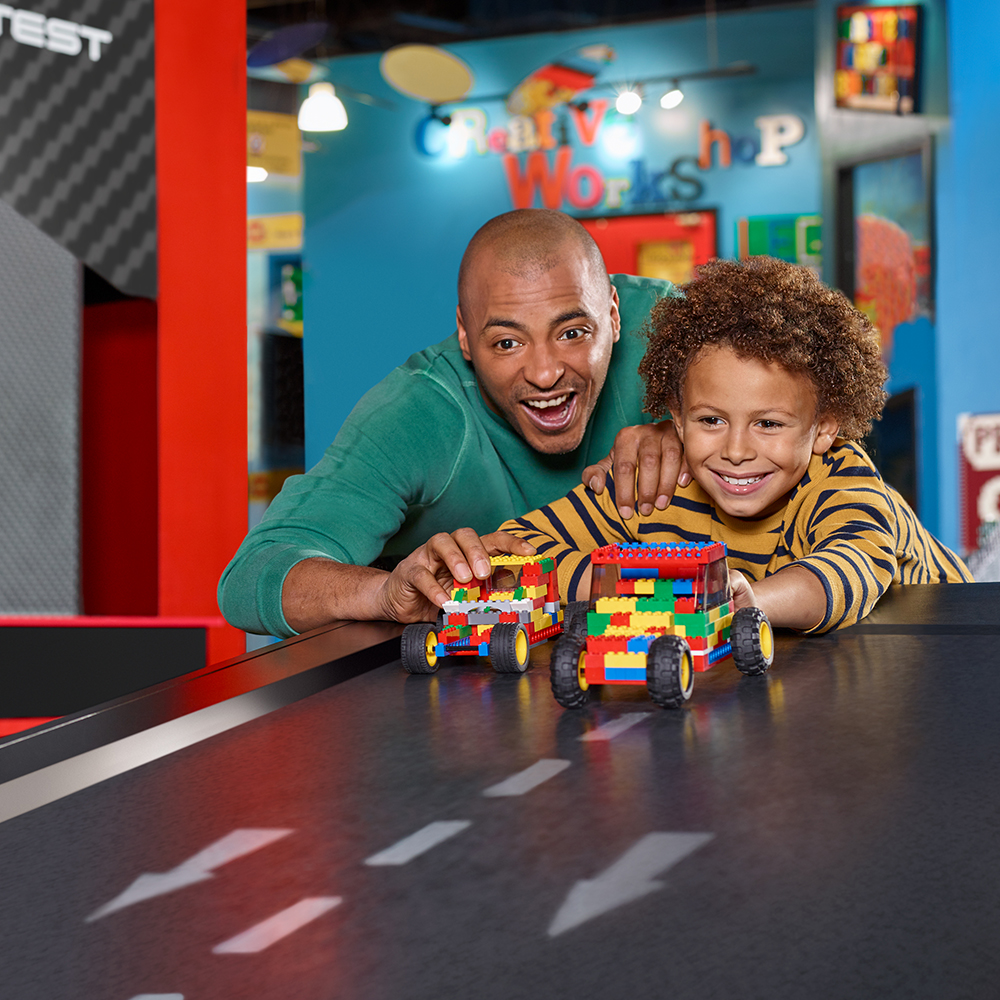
822,830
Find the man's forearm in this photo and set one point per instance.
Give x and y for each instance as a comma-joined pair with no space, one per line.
319,591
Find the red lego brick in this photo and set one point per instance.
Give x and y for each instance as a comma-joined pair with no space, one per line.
625,587
508,616
685,605
621,618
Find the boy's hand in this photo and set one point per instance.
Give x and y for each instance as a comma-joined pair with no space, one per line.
418,587
653,449
743,595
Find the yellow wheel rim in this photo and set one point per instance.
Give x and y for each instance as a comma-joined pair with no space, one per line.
430,648
521,646
581,671
766,640
686,672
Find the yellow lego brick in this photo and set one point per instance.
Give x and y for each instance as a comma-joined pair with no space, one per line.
507,560
501,595
644,586
615,605
643,619
624,659
532,592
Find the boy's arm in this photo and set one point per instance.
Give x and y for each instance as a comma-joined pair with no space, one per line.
568,530
850,551
791,598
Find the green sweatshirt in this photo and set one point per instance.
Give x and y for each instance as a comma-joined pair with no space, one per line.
422,453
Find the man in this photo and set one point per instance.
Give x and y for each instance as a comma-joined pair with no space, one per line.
492,422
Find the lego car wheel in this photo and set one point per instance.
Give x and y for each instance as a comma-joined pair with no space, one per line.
575,617
418,648
569,681
509,648
669,671
753,641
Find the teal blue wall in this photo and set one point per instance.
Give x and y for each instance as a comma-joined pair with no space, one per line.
386,225
968,204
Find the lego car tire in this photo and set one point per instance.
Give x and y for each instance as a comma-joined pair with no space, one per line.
669,671
416,649
509,648
564,671
752,640
575,618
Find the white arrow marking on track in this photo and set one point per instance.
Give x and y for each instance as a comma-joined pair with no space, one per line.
195,869
616,727
524,781
288,921
423,840
631,877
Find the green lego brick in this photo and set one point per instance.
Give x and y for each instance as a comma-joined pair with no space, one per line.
460,595
653,604
547,565
695,624
519,594
597,624
663,590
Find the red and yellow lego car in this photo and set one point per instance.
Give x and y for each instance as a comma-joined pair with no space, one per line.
658,613
502,617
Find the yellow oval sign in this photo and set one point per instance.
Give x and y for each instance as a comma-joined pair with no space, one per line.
426,73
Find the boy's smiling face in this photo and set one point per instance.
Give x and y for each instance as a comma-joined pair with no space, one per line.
749,430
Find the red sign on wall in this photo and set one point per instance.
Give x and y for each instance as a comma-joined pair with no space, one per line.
980,472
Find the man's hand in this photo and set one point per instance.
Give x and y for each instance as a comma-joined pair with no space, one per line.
416,588
653,449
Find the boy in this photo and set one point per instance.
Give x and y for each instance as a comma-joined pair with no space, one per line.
771,379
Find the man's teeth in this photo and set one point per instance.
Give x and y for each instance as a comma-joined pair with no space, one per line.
741,482
544,404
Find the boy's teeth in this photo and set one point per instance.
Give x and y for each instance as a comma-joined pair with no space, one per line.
741,482
543,404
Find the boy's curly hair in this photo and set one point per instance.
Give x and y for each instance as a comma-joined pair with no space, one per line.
774,312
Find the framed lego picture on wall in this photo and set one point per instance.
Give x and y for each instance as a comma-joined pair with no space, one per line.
885,223
878,58
666,245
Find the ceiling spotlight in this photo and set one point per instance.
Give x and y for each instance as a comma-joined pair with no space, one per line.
256,174
322,110
628,102
672,97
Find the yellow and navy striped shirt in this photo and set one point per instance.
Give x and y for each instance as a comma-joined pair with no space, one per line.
842,522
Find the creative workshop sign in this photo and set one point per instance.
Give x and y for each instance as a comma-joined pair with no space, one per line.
541,155
77,141
980,473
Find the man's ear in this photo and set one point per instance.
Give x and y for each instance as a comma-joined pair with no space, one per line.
616,319
463,337
827,430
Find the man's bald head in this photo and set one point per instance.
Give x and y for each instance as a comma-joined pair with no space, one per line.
526,243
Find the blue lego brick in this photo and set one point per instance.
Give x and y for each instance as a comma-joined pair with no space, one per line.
640,643
640,573
723,649
683,588
625,674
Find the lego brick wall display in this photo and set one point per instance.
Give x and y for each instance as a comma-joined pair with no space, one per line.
795,238
878,58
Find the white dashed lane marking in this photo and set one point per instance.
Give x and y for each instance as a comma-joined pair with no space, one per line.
288,921
615,728
158,996
417,843
524,781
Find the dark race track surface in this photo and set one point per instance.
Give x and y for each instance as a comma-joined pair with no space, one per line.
852,798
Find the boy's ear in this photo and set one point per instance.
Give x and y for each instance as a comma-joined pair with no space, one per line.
827,429
675,416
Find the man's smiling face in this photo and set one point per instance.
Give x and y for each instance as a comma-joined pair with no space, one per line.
540,342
